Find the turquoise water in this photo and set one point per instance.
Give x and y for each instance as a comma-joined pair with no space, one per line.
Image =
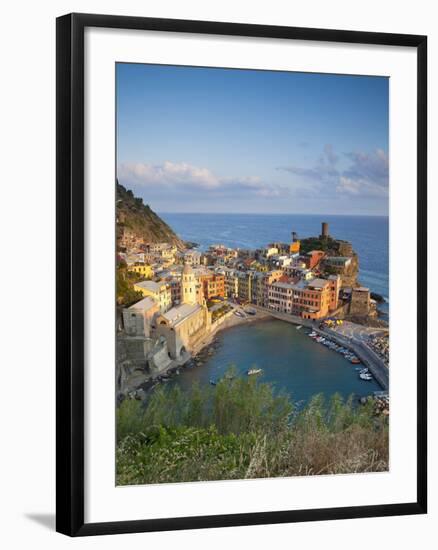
290,360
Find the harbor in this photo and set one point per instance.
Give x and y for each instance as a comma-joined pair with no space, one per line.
282,355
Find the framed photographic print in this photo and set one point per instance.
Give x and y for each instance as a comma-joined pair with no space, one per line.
241,274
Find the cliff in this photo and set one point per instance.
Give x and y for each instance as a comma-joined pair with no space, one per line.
140,221
333,247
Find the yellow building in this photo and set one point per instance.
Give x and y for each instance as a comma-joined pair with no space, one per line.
159,291
145,271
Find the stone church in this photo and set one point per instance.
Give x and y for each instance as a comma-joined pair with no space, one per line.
185,325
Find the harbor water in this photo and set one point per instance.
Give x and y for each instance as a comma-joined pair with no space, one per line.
289,360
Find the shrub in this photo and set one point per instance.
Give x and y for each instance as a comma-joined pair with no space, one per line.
241,429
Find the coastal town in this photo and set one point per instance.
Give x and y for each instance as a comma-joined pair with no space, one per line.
252,288
173,298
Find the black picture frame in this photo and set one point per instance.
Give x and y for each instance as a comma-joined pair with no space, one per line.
70,272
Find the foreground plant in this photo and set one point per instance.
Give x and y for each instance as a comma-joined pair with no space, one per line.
240,429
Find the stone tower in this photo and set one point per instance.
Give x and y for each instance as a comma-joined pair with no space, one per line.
188,286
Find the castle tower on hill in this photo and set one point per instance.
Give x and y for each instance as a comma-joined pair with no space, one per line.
324,230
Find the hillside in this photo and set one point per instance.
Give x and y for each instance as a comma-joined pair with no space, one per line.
140,221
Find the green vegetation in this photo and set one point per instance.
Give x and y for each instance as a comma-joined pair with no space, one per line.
240,429
220,312
315,243
125,280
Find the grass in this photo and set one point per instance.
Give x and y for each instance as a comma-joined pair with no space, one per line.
240,429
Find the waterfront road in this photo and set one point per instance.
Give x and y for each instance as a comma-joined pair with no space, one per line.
358,332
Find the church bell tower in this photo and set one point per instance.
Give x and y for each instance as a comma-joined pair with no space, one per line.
188,286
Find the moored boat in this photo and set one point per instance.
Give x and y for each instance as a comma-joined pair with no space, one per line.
253,371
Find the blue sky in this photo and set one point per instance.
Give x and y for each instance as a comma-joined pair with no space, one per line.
224,140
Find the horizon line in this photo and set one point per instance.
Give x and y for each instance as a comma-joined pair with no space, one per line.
277,214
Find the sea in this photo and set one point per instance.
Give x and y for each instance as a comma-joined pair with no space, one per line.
368,235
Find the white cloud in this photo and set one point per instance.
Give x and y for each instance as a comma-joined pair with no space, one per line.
185,177
348,185
168,173
367,174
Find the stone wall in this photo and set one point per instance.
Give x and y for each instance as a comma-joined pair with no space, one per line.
159,360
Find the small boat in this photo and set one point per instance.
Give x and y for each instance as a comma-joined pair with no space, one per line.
299,326
365,376
356,361
253,371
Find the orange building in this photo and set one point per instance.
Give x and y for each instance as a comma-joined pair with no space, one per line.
294,247
213,284
317,298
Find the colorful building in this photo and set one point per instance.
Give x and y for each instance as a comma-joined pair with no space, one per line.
315,299
231,282
280,297
213,285
159,291
294,247
192,257
244,291
144,270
